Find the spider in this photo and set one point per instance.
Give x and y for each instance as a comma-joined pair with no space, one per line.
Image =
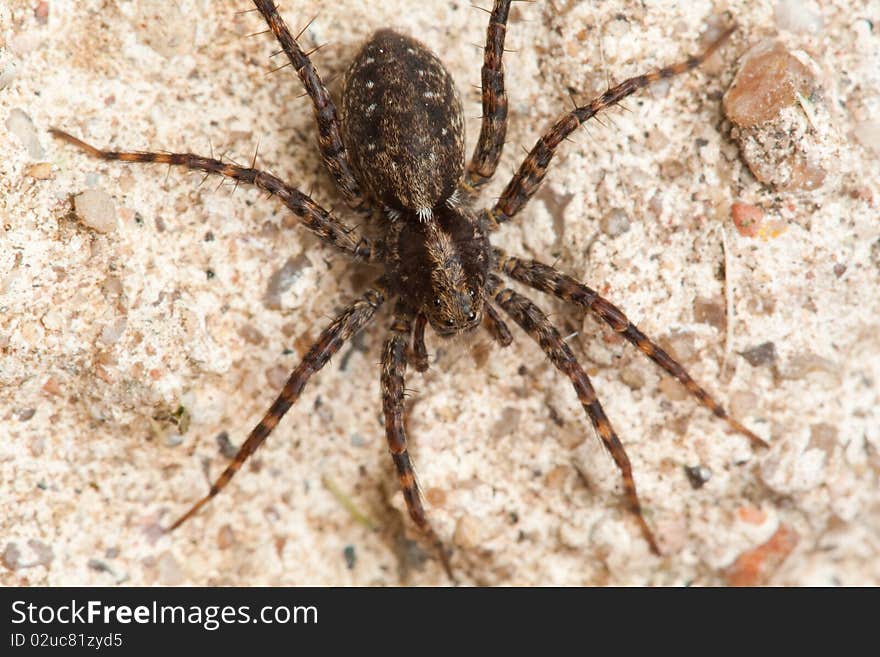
395,149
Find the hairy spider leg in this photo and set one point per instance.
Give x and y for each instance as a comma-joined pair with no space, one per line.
318,220
493,129
330,142
551,281
534,322
496,326
393,373
528,178
419,354
346,324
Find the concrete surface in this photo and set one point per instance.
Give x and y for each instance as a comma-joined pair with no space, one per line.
155,293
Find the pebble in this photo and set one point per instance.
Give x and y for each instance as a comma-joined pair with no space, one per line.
798,16
468,533
170,572
711,312
350,556
697,475
39,171
96,209
251,334
763,354
11,557
769,79
225,537
747,218
754,567
19,123
780,122
614,223
111,333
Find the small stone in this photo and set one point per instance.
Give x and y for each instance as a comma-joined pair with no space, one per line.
711,312
798,16
99,566
225,537
751,515
39,171
169,570
558,476
507,424
780,120
97,210
754,567
697,475
19,123
42,552
680,345
52,387
111,333
672,389
633,377
763,354
614,223
823,436
11,557
226,447
41,12
468,533
747,218
672,169
251,334
350,556
436,497
769,79
276,376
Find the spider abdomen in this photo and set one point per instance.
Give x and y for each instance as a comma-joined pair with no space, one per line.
402,124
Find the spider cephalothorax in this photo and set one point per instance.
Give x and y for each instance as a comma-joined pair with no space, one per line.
441,266
398,154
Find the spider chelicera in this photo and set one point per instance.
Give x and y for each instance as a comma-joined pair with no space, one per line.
395,150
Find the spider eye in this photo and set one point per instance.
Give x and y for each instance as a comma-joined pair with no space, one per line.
437,302
471,292
450,323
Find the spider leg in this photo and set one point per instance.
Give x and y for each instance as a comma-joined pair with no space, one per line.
496,326
534,322
393,372
318,220
330,142
493,129
346,324
533,169
547,279
419,355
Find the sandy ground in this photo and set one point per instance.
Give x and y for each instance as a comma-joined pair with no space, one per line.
198,298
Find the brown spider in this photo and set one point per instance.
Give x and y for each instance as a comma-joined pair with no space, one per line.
397,153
